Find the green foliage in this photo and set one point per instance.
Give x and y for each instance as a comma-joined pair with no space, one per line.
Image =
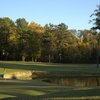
22,28
96,20
25,41
7,28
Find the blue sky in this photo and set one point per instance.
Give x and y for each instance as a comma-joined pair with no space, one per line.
74,13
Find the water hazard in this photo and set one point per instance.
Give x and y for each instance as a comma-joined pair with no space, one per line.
81,82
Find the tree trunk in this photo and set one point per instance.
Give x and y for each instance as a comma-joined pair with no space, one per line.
23,58
98,55
32,59
35,59
49,58
1,57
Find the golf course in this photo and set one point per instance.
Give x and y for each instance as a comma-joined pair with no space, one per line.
79,81
50,50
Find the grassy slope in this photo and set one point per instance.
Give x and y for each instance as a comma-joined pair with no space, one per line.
38,89
67,69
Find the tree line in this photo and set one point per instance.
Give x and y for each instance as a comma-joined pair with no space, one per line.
21,40
24,41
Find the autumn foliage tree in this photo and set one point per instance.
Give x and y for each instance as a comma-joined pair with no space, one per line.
21,40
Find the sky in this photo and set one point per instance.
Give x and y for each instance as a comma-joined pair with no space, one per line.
74,13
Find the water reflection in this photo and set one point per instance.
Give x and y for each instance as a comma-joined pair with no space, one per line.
82,82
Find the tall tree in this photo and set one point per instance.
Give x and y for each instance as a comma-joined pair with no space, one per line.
22,28
35,32
49,42
6,30
65,39
96,23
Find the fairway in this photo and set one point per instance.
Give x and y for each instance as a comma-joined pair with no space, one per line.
30,90
65,69
37,89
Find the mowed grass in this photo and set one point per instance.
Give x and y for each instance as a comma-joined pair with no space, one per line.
39,90
18,88
66,69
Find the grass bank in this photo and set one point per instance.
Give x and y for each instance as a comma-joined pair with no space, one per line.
63,70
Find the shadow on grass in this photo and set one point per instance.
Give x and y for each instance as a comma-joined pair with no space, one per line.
44,66
46,70
80,94
32,67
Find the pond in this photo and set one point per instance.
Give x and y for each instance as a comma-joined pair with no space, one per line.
71,81
81,82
